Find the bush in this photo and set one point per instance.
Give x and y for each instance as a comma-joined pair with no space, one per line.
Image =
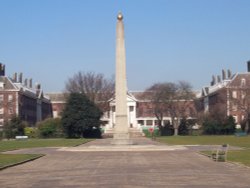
183,127
148,134
92,133
31,132
244,126
1,134
14,127
211,126
167,129
50,128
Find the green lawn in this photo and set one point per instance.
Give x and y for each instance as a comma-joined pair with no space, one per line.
12,159
242,156
31,143
206,140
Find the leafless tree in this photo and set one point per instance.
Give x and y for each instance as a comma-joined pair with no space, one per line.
95,86
171,99
240,103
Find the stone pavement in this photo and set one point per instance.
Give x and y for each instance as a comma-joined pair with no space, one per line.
113,169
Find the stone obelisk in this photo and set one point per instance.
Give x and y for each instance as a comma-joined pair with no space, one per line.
121,130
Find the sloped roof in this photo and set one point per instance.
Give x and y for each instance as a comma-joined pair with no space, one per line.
227,83
8,84
57,97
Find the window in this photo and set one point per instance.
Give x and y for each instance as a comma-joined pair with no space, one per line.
243,94
236,118
149,122
1,110
141,122
131,108
234,107
234,94
243,82
1,122
156,122
55,114
10,98
10,110
166,122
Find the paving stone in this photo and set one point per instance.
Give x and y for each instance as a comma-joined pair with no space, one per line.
135,169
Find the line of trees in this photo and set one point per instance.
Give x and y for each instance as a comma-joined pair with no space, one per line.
172,100
88,96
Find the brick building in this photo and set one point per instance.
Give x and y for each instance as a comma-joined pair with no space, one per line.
227,94
19,98
139,108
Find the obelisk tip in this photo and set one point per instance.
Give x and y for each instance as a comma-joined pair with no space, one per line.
119,16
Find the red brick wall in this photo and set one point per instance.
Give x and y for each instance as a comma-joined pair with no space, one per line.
8,106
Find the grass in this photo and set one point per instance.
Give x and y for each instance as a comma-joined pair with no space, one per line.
7,160
206,140
242,157
239,156
32,143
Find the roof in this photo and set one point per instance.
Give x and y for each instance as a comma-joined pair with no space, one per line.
9,84
227,83
57,97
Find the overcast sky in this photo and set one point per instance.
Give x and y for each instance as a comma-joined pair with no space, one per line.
50,40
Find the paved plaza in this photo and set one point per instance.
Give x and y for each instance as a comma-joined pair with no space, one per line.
182,167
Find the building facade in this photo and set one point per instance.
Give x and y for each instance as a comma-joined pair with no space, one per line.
228,94
19,98
139,109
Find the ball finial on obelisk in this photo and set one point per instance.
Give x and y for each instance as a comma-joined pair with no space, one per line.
119,16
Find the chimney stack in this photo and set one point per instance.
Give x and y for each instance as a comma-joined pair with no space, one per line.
15,77
213,82
20,77
229,74
218,79
30,84
248,66
38,88
223,74
2,69
26,82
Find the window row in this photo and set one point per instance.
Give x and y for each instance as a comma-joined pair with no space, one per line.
10,110
10,98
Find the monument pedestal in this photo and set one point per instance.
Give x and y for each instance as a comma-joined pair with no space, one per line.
121,139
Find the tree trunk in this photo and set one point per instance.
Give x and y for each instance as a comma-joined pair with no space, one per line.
247,126
176,122
176,131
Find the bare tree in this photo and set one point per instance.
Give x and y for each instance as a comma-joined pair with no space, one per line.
95,86
171,99
240,103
